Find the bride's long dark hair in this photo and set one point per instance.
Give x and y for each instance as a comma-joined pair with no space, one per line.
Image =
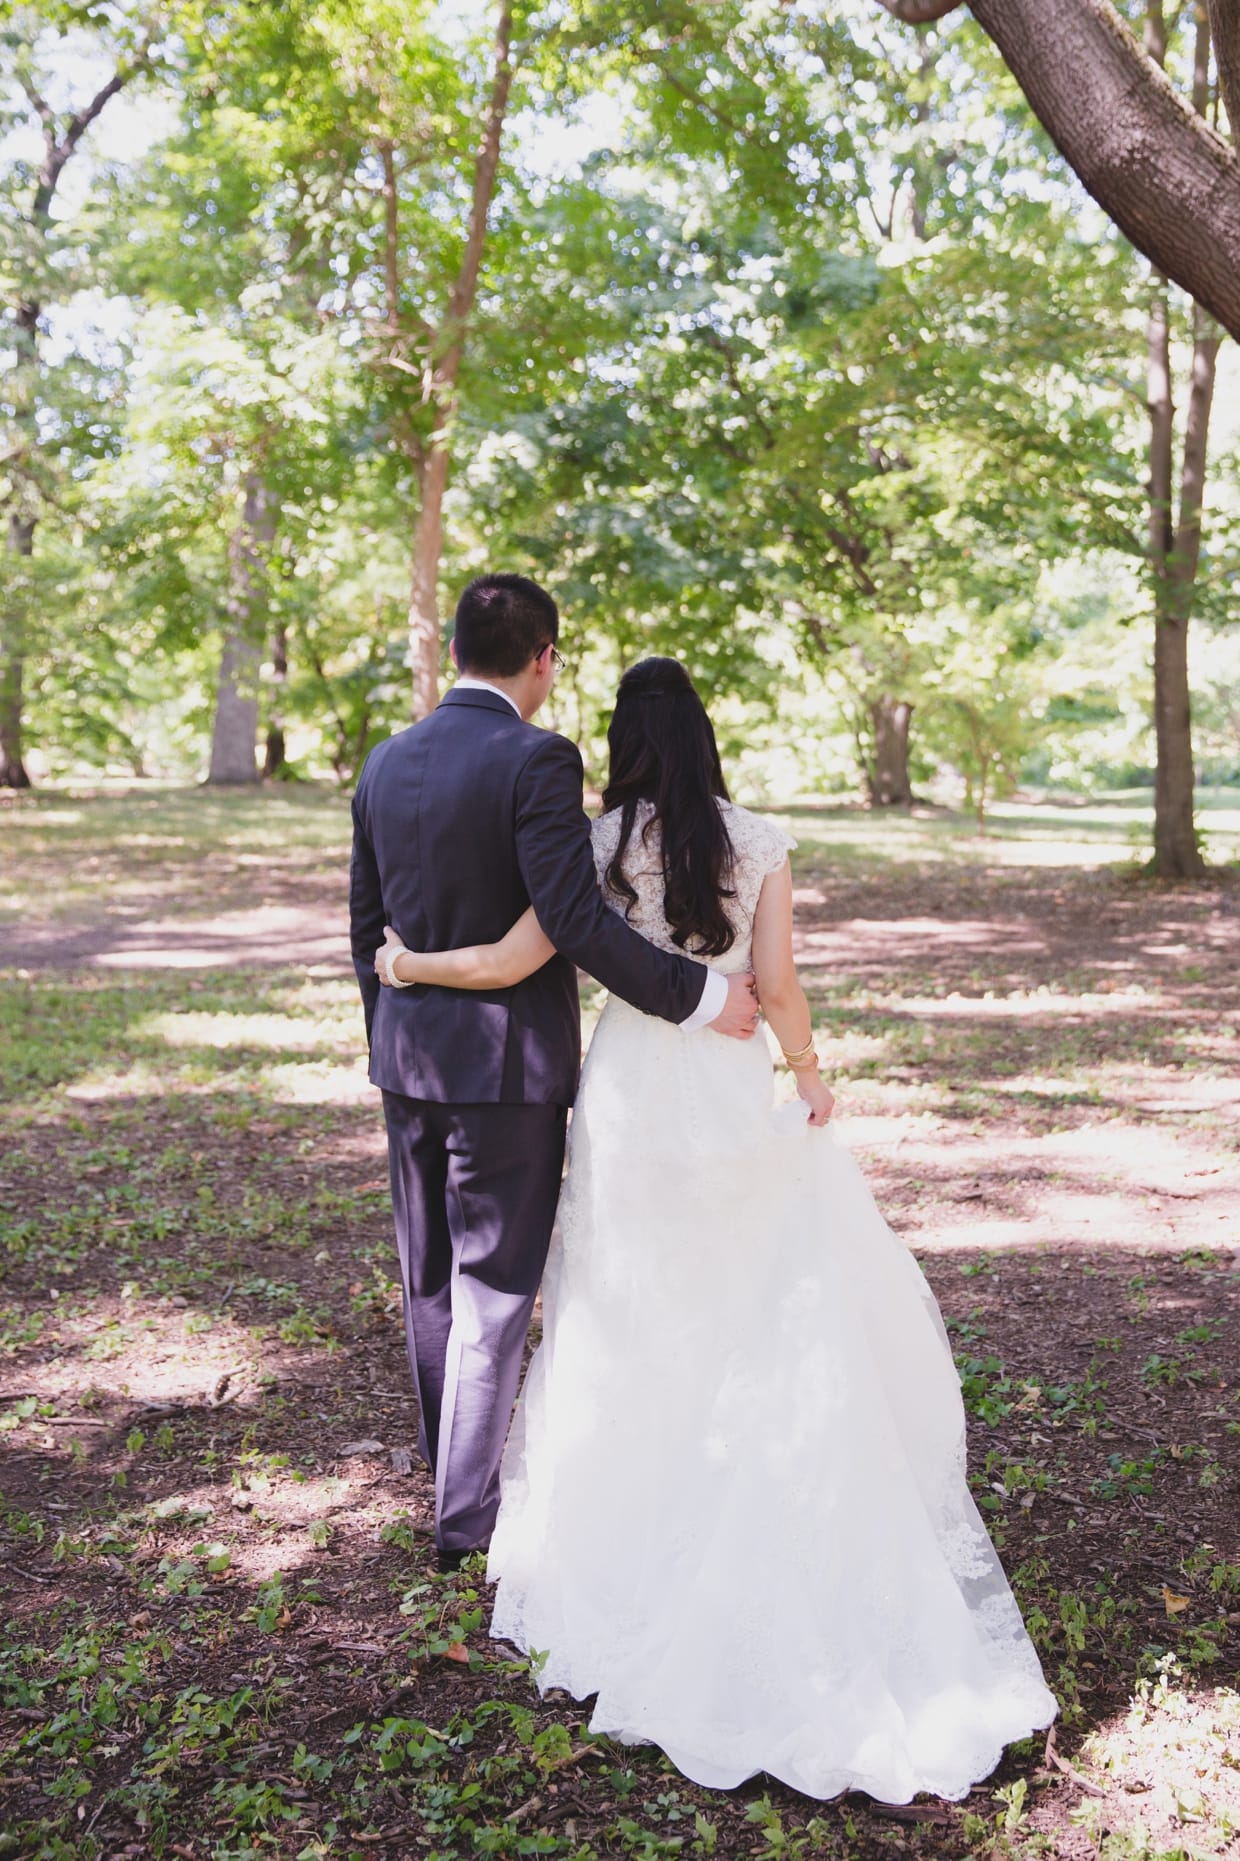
663,751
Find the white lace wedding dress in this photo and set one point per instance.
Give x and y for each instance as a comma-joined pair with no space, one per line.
734,1501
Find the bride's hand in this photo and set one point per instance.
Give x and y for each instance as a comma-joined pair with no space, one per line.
381,969
817,1094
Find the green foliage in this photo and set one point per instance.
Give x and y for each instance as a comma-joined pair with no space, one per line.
986,1387
809,371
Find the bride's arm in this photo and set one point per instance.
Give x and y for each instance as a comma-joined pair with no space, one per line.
780,992
478,965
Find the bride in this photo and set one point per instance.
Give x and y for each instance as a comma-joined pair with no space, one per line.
734,1502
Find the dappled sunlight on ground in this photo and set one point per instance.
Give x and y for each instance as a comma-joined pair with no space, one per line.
365,1144
281,1033
1028,1003
1036,833
322,1084
1135,1185
271,935
1167,1771
206,1421
889,941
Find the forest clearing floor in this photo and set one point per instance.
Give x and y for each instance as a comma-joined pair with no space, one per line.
223,1636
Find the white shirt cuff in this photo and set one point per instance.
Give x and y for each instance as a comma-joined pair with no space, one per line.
714,1001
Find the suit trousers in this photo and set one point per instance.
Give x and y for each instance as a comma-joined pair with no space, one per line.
474,1193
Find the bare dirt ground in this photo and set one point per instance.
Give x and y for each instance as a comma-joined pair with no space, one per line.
223,1635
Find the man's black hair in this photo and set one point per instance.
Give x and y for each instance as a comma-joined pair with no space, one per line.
502,621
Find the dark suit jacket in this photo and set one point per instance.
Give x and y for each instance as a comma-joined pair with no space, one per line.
459,824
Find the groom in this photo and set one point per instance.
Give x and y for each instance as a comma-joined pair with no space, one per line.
460,823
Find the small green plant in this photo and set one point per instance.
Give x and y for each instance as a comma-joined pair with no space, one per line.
1208,1333
1129,1478
1012,1796
985,1263
1167,1370
986,1387
1136,1286
1083,1399
271,1610
399,1531
969,1330
441,1618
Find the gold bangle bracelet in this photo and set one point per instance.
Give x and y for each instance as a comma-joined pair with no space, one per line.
811,1065
801,1054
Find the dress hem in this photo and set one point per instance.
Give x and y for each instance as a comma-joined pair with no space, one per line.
835,1784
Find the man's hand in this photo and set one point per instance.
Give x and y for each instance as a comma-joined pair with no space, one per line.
390,938
739,1019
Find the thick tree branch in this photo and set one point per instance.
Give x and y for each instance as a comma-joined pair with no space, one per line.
1206,343
391,235
41,107
461,301
59,149
1225,31
920,12
1169,181
440,391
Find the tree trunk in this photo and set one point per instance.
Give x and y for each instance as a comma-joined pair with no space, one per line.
235,729
273,761
13,657
1174,555
889,783
424,642
235,733
1168,180
60,141
23,517
1174,547
979,799
1176,853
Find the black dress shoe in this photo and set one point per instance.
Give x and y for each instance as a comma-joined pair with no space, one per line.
447,1561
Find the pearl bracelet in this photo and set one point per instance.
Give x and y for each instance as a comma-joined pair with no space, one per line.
390,953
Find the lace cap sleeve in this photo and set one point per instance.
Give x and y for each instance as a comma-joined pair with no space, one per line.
758,842
604,838
779,845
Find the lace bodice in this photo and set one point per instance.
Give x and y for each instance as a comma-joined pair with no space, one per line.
759,848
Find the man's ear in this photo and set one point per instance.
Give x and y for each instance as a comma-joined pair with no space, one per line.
452,652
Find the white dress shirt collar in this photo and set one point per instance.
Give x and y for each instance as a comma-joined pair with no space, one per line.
465,683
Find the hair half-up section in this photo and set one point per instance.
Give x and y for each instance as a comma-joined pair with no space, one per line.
663,751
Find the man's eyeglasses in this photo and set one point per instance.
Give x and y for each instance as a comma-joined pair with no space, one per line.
557,656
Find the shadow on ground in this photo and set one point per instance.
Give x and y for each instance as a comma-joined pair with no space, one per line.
224,1637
